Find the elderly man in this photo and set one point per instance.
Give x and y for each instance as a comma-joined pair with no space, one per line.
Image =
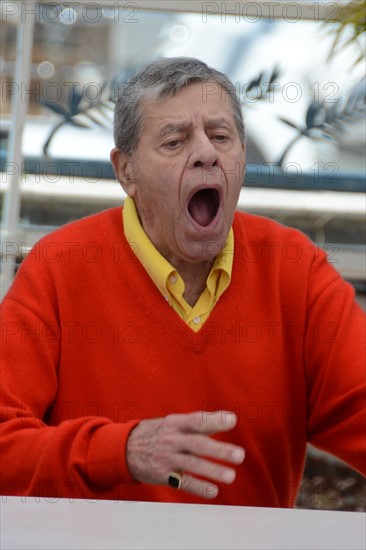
146,349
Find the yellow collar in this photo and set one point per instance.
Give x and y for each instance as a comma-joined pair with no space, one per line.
168,280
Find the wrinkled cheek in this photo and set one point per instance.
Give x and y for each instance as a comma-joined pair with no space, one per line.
147,217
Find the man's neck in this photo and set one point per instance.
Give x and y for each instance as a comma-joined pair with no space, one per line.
195,278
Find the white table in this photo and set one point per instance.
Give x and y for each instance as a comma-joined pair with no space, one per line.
40,523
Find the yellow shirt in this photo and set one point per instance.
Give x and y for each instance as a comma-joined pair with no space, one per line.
168,280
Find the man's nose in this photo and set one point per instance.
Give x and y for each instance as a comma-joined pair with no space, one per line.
203,152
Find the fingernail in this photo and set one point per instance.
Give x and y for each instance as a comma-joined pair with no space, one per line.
214,493
229,477
238,455
230,418
210,491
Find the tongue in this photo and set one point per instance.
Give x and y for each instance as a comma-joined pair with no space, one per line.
201,209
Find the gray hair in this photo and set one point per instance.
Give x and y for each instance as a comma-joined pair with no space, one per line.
160,79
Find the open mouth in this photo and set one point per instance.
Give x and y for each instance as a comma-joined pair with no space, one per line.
204,205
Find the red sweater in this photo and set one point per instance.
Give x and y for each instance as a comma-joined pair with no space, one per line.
90,347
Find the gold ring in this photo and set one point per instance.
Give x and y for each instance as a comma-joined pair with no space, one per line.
175,480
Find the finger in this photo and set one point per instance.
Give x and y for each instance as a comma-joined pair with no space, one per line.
202,445
204,422
198,487
206,469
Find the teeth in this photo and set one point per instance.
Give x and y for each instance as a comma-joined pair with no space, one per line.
203,206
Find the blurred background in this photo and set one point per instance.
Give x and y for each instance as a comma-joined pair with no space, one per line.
96,45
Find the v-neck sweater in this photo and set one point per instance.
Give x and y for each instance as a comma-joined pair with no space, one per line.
90,348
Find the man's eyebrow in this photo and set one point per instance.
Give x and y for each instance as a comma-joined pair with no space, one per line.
172,128
218,123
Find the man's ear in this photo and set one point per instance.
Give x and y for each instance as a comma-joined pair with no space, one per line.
125,171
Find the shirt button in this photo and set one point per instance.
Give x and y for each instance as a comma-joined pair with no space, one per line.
166,297
173,279
197,320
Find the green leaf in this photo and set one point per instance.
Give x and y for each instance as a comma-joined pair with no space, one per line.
289,123
315,114
93,118
75,98
78,123
255,83
56,107
275,74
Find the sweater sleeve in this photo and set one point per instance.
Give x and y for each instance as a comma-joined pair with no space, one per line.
78,456
335,366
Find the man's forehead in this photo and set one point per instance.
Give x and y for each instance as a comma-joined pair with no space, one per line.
186,116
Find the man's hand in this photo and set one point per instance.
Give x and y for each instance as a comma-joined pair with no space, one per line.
181,442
